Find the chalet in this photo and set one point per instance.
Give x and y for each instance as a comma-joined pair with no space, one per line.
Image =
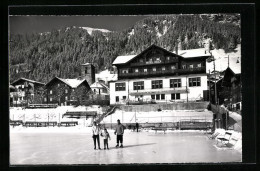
232,88
159,75
66,91
25,92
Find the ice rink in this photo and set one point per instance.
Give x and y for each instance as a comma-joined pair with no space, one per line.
143,147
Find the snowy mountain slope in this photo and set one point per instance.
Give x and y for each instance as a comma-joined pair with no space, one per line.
90,30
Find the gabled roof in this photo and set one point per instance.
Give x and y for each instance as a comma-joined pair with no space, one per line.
193,53
99,85
123,59
25,79
184,53
73,83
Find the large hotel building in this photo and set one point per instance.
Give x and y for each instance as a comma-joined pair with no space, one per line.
158,75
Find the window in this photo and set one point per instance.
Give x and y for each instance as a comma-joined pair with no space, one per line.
136,70
120,86
124,71
183,66
175,83
157,84
199,65
45,99
167,58
141,60
58,85
139,85
145,69
175,96
153,96
191,66
73,89
154,68
50,91
194,82
173,67
117,98
162,96
86,70
163,68
157,96
66,97
157,58
124,97
66,90
50,99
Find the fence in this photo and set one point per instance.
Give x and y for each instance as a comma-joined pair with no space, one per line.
159,107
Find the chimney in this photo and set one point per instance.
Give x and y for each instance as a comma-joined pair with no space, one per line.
176,49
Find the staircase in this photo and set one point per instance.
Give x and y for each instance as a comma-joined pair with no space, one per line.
109,112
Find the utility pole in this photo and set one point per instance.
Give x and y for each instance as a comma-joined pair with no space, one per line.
186,90
215,83
209,87
228,60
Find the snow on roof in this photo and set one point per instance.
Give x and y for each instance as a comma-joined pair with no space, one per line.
96,85
99,85
86,64
191,53
25,79
74,83
221,60
123,59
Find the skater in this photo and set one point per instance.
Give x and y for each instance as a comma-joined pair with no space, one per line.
95,134
119,132
137,126
105,136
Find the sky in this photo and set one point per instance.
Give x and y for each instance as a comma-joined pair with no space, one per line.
37,24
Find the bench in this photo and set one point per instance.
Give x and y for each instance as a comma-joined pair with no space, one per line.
39,124
194,125
16,122
159,129
224,139
70,123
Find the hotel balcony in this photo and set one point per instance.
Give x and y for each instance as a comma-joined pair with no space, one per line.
154,62
162,73
164,90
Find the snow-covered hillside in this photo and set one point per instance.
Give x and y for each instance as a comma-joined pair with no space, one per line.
106,76
90,30
221,60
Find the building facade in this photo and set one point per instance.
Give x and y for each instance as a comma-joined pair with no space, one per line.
24,91
66,91
231,89
157,75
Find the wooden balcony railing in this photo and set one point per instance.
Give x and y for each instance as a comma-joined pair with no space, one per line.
162,73
154,62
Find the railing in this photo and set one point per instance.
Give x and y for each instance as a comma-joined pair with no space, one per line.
166,72
154,62
161,90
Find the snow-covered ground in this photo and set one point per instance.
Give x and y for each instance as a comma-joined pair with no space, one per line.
143,147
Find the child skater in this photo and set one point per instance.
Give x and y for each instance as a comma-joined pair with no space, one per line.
105,136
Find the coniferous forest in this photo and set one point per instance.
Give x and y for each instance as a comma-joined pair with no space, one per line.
61,52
